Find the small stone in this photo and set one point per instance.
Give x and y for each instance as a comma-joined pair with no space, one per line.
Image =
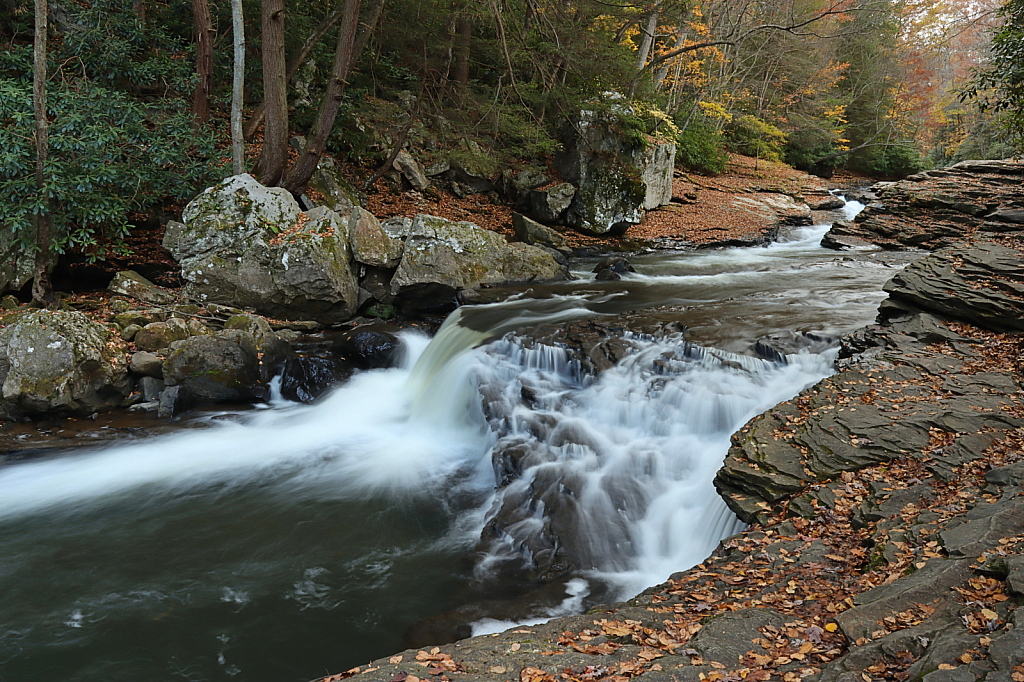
146,364
129,332
9,303
157,335
150,388
173,401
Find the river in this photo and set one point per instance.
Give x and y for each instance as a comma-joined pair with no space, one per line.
293,541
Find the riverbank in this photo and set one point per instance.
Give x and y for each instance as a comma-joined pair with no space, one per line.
886,502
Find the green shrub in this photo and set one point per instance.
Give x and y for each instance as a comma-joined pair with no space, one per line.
701,149
751,136
109,156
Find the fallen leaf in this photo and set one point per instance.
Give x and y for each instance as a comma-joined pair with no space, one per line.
395,659
831,627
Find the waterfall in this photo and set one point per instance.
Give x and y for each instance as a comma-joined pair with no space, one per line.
330,527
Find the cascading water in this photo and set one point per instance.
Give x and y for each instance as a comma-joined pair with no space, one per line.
288,542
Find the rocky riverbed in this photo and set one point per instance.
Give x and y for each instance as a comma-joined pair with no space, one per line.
886,501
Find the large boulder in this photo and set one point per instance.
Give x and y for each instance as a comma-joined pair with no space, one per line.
249,246
443,257
219,367
336,192
616,176
134,285
17,264
371,243
779,209
63,363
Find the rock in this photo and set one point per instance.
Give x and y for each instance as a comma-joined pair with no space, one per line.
945,283
616,177
339,195
134,285
129,332
778,208
273,351
371,243
62,363
471,169
305,379
516,186
824,202
243,245
216,368
151,388
372,346
658,164
146,364
413,172
9,303
532,232
17,265
612,268
549,205
173,401
158,335
442,257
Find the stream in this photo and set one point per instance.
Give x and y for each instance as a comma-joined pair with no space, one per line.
294,541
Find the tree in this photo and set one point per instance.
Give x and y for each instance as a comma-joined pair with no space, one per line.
42,291
344,56
273,159
237,89
999,86
204,60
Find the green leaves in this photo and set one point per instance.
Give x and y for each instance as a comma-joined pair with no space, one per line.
109,156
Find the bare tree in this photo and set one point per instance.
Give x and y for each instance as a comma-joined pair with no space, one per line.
204,60
42,290
274,156
237,89
344,56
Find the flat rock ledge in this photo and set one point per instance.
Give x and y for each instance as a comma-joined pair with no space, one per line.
887,512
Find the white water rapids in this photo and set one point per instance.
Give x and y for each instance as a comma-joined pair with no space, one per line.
186,556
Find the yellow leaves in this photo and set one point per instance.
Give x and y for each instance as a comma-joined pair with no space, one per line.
714,110
831,627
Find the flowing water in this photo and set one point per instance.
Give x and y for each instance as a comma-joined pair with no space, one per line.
285,543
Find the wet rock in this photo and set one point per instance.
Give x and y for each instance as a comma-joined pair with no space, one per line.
244,245
151,388
612,268
305,378
134,285
158,335
146,364
173,401
549,205
532,232
272,350
442,257
217,368
824,202
368,347
61,363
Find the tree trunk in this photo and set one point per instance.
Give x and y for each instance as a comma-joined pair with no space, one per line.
42,290
464,30
297,60
204,60
343,59
237,89
647,39
274,157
